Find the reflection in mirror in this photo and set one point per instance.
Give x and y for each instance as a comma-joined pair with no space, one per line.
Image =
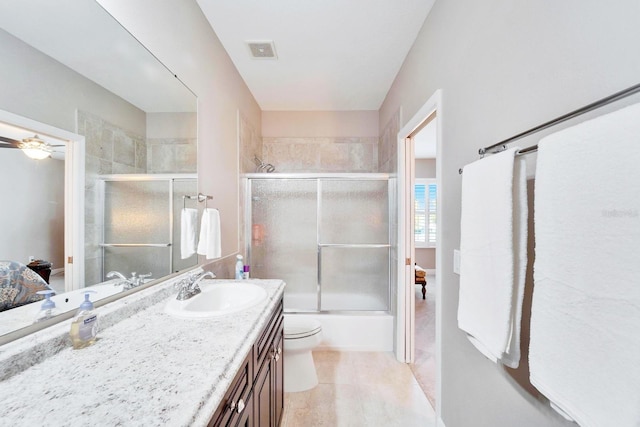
109,197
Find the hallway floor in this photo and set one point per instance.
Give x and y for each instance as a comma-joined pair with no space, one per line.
359,389
424,366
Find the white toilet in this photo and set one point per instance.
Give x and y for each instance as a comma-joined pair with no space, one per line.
301,335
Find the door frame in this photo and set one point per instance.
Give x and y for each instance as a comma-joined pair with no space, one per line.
405,331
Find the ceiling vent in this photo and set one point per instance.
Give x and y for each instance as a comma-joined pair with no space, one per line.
262,49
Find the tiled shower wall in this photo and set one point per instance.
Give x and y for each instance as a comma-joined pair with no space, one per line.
172,155
343,154
388,149
250,145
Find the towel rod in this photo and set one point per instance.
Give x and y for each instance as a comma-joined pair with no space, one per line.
594,105
502,145
200,197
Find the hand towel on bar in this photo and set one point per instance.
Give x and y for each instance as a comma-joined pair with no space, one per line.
493,255
188,227
585,317
209,243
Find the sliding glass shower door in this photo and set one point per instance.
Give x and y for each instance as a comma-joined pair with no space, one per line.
284,237
141,223
327,237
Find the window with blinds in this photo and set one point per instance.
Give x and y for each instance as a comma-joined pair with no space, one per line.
424,229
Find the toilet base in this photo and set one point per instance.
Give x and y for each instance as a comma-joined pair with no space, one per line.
299,371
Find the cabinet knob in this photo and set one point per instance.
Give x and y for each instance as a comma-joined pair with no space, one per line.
240,405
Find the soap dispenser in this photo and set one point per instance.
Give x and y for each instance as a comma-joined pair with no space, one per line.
239,267
48,308
84,326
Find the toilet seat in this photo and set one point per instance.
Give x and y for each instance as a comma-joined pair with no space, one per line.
297,327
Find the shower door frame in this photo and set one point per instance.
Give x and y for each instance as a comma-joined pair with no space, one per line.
319,177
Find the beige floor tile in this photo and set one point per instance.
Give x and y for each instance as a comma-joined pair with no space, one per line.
359,389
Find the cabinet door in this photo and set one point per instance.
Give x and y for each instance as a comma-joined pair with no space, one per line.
245,418
263,397
277,375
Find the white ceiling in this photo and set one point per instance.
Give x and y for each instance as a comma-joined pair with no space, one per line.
333,55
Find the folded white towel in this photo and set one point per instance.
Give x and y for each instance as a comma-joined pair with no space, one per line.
493,255
585,315
188,224
209,243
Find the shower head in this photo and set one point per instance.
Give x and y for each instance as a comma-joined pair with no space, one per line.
262,166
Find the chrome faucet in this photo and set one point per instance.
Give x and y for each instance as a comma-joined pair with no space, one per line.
131,283
189,287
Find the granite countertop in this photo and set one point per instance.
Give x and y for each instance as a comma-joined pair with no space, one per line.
147,369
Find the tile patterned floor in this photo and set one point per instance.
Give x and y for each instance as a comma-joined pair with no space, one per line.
359,389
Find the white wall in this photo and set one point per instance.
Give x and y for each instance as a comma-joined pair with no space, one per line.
32,214
504,67
172,125
179,35
308,124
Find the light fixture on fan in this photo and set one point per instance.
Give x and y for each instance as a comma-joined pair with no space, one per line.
35,148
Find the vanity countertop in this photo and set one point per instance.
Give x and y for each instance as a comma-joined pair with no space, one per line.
149,369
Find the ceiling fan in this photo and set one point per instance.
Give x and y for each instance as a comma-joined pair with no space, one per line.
33,147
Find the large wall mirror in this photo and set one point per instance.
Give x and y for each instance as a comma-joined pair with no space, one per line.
102,210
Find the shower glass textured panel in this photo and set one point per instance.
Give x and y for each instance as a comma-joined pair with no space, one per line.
183,188
136,212
355,279
354,212
284,237
142,260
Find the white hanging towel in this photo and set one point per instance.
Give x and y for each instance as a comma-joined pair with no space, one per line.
585,318
188,224
209,243
493,255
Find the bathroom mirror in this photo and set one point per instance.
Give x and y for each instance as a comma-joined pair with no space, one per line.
69,68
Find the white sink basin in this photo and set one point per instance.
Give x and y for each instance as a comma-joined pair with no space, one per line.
217,299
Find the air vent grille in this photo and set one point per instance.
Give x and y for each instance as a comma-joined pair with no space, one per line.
263,49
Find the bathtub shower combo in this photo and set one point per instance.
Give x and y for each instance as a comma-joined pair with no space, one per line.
329,237
140,223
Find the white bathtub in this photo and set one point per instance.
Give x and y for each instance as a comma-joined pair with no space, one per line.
365,331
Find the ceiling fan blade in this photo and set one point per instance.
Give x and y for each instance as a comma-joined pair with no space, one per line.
8,142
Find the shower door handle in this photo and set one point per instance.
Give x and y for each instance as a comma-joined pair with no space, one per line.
135,245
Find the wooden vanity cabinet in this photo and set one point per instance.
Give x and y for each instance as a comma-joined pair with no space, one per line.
255,397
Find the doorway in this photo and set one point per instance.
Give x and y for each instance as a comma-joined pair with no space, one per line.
419,341
72,150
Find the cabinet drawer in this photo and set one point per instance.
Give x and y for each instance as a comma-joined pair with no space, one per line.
262,347
236,401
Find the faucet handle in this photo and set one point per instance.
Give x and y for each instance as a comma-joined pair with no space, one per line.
178,286
144,276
